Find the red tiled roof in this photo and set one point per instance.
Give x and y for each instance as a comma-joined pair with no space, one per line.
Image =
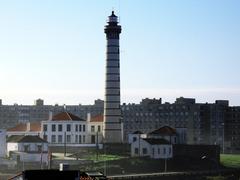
98,118
34,127
66,116
165,130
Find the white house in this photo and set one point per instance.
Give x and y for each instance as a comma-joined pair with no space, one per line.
154,148
65,128
157,144
28,149
3,145
132,137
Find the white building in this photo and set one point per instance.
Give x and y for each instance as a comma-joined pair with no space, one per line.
65,128
135,136
28,149
3,146
154,148
157,144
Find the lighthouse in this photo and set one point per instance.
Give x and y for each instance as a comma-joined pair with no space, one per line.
112,128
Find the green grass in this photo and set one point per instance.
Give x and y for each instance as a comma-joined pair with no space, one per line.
104,157
230,160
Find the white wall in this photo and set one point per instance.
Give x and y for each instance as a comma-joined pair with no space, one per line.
34,157
3,145
71,133
152,150
163,151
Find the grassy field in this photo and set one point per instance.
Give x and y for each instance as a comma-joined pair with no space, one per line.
230,160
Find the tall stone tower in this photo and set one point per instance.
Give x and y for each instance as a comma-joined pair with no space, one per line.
112,129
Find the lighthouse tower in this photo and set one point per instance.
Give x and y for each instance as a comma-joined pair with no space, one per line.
112,129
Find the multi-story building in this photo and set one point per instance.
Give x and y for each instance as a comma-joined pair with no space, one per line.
205,123
63,129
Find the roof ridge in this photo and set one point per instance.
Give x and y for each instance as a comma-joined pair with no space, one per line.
68,115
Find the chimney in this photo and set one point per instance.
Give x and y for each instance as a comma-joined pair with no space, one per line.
28,126
88,117
50,116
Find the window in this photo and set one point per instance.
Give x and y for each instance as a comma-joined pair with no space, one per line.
53,127
68,127
170,150
144,150
164,150
60,139
53,139
136,151
84,138
80,139
80,128
84,128
159,151
99,128
153,151
92,128
45,127
60,127
76,138
68,138
39,148
26,148
134,139
76,128
93,139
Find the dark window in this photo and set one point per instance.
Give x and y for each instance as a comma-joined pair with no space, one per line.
45,127
93,139
92,128
26,148
39,148
144,150
68,138
53,127
68,127
53,138
80,139
84,128
59,138
76,128
136,150
60,128
80,128
134,139
99,128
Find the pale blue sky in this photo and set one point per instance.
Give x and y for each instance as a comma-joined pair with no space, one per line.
55,50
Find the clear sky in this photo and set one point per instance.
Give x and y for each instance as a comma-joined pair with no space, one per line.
55,50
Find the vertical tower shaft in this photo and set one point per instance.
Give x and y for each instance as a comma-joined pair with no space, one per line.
112,130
